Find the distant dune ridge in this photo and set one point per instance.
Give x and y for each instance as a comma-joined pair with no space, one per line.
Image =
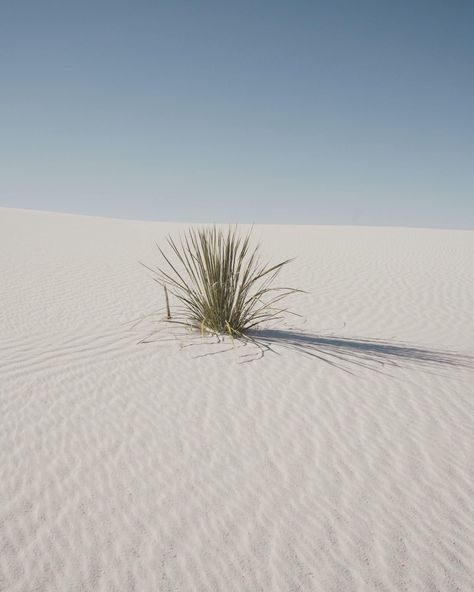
336,455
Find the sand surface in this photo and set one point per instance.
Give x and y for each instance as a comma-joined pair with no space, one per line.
343,460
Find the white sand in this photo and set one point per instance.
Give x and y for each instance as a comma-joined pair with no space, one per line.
154,467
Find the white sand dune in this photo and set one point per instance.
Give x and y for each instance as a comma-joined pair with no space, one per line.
343,460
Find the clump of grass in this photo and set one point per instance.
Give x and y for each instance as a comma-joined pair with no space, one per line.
220,283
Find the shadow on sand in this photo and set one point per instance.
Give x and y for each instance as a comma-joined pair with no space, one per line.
343,351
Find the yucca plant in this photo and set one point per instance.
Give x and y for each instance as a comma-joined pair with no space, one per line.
220,283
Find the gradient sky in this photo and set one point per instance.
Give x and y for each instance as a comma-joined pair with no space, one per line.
301,112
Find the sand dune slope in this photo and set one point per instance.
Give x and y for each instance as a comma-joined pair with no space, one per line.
343,460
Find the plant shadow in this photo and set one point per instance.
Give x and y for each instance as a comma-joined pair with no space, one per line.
344,352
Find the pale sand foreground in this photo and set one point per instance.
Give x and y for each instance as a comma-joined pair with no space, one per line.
154,467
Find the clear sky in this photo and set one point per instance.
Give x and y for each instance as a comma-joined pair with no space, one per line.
356,112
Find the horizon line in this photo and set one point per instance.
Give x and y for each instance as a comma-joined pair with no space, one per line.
228,223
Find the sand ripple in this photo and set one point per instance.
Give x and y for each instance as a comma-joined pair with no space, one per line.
172,466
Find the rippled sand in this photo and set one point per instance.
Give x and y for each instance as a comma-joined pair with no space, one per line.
339,459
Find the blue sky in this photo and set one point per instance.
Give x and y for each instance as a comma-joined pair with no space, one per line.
282,112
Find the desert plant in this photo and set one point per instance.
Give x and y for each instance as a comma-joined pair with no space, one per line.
220,282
